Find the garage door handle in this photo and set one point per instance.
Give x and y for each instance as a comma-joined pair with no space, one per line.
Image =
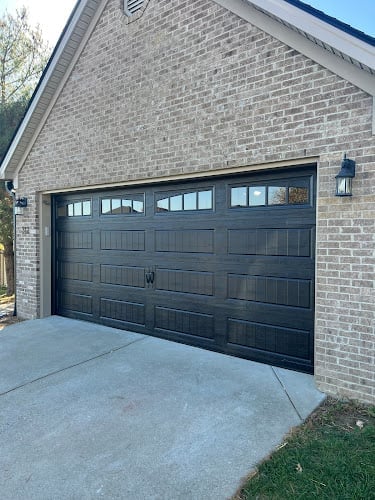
150,277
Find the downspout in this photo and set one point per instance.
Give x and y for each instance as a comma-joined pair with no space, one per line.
15,254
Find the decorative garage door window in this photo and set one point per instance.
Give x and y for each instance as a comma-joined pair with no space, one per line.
75,209
286,192
184,201
128,205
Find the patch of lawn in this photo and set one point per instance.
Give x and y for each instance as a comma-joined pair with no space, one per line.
4,298
331,456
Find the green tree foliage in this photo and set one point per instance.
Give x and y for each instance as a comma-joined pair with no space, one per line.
10,116
11,113
23,56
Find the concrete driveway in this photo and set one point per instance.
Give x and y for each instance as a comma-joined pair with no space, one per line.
92,412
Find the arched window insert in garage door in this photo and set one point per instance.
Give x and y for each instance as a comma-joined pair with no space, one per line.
282,192
128,204
181,201
79,208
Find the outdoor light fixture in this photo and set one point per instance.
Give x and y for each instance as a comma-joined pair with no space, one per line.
21,202
344,177
19,205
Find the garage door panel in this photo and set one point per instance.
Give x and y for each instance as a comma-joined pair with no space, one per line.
270,290
124,311
293,242
121,293
184,322
268,357
77,271
77,287
193,268
122,240
182,262
184,301
131,276
258,312
76,302
82,240
183,281
283,216
273,267
289,341
126,260
185,241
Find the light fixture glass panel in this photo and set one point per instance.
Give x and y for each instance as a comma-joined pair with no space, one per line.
238,196
343,186
257,196
276,195
205,200
190,201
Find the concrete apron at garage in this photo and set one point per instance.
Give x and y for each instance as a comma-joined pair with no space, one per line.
88,411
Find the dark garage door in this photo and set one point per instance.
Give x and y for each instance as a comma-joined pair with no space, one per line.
224,264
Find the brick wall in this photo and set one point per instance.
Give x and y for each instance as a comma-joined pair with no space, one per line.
190,87
345,306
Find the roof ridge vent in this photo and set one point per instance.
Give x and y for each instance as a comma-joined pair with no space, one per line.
132,6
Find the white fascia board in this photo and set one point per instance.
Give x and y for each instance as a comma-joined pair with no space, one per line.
350,72
4,173
328,34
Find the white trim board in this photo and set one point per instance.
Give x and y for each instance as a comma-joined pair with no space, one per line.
320,29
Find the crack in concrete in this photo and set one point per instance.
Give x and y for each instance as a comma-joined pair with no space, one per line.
70,366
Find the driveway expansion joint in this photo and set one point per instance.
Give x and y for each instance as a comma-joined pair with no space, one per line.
70,366
287,394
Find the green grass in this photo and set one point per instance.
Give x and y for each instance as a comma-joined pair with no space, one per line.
4,298
331,456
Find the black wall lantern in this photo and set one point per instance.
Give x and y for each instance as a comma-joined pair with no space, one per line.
21,202
344,177
19,205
